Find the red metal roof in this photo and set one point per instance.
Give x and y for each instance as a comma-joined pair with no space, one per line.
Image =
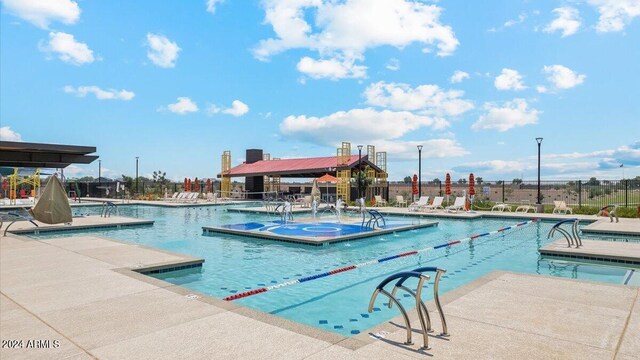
296,167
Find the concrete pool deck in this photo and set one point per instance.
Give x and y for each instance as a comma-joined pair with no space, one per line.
79,223
83,292
596,250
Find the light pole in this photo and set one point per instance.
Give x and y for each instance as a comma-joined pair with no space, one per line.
359,170
539,202
136,174
99,176
419,171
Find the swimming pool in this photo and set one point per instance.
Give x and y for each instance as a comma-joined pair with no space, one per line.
336,303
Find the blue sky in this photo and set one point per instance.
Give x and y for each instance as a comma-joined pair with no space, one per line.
178,82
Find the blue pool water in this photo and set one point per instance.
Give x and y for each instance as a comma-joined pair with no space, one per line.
336,303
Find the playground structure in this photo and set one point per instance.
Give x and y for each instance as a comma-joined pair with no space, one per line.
263,173
16,180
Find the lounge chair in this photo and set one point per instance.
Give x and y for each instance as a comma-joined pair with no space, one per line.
561,207
420,204
400,201
179,197
175,194
436,204
525,207
457,205
501,207
380,201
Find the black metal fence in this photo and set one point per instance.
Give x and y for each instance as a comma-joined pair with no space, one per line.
591,193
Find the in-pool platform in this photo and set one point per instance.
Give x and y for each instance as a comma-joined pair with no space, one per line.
308,231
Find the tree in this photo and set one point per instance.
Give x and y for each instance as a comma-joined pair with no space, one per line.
159,180
437,181
128,181
479,180
516,181
362,181
462,181
407,180
593,181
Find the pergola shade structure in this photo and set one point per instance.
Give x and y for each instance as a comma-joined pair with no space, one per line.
36,155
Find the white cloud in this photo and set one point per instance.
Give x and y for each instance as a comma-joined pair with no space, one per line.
184,106
333,69
542,89
362,125
615,14
427,99
162,51
567,21
511,114
41,13
458,77
100,94
432,149
509,79
393,64
521,18
335,35
562,77
68,49
6,134
238,108
211,5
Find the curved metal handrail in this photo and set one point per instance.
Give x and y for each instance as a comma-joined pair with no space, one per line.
374,219
439,272
419,305
18,218
572,238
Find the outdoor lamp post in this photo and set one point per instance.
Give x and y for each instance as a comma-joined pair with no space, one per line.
419,171
136,174
359,170
99,176
539,202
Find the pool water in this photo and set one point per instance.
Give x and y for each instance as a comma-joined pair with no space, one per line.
337,303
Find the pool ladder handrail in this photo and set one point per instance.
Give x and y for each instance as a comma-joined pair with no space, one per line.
439,272
572,238
380,289
374,219
284,214
107,209
18,217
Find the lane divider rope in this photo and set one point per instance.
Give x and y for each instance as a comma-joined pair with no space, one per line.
371,262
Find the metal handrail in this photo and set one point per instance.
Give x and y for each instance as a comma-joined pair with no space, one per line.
572,238
18,218
107,209
374,219
439,272
419,305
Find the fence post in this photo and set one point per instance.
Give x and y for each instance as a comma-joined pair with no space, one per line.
440,186
579,193
626,193
503,191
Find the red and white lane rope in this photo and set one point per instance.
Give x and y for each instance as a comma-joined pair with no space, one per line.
371,262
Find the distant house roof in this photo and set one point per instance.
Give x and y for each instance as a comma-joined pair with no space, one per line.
23,154
300,168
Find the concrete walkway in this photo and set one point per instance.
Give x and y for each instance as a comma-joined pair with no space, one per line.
82,293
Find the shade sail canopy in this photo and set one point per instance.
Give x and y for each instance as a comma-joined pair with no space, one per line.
36,155
298,168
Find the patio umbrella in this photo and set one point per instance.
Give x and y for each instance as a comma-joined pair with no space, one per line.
315,191
185,184
447,186
189,185
414,191
196,185
208,185
472,188
326,178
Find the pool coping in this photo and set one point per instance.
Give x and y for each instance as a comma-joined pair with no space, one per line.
310,241
70,228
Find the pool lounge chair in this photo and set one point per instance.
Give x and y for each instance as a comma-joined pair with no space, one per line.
525,207
457,205
380,201
561,208
436,204
178,197
175,194
420,204
400,201
501,207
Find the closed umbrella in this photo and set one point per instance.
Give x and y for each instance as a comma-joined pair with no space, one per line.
189,185
186,183
414,191
196,185
208,185
447,186
472,189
